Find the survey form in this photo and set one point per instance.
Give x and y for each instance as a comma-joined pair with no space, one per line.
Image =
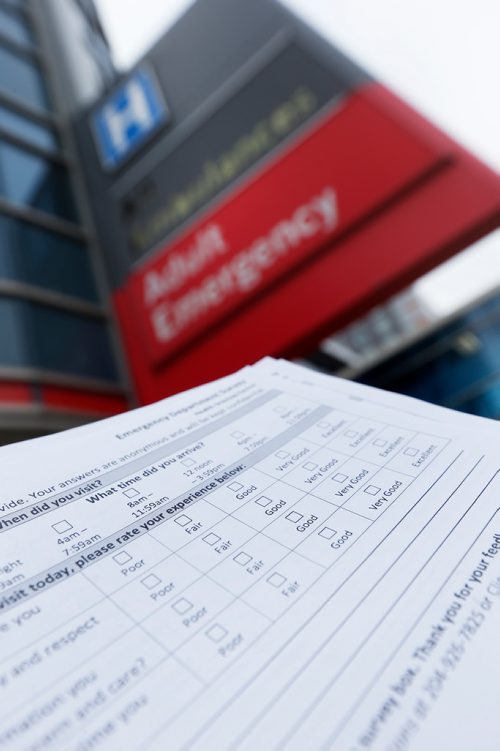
269,559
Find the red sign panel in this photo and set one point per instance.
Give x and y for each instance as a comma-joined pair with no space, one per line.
369,199
348,165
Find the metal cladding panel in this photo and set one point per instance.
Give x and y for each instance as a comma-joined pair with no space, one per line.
272,104
406,197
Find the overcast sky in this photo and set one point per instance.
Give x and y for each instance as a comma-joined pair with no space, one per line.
443,56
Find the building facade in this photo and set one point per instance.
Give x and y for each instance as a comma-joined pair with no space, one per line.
254,191
377,334
454,363
58,361
245,190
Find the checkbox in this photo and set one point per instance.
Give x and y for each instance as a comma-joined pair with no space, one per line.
182,520
379,443
242,558
122,558
294,517
324,425
150,581
188,462
371,490
216,633
309,466
62,526
211,539
182,606
131,492
263,501
282,454
411,451
351,433
280,410
237,434
276,580
327,533
235,486
339,477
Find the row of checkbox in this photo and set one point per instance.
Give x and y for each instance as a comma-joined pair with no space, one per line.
182,606
379,442
235,487
311,466
183,519
293,516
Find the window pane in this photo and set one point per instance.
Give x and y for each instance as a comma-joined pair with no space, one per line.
37,336
23,127
14,27
29,180
21,79
486,404
13,345
15,3
45,259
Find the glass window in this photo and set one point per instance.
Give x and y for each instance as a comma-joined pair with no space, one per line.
486,403
20,78
13,345
45,259
13,26
38,336
31,130
30,180
15,3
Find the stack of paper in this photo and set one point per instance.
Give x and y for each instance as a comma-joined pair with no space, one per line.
275,560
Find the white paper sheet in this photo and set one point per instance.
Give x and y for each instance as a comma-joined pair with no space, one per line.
275,560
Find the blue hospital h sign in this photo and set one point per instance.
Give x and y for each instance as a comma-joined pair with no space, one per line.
128,118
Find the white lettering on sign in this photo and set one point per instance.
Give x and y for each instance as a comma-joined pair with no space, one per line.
181,266
242,274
